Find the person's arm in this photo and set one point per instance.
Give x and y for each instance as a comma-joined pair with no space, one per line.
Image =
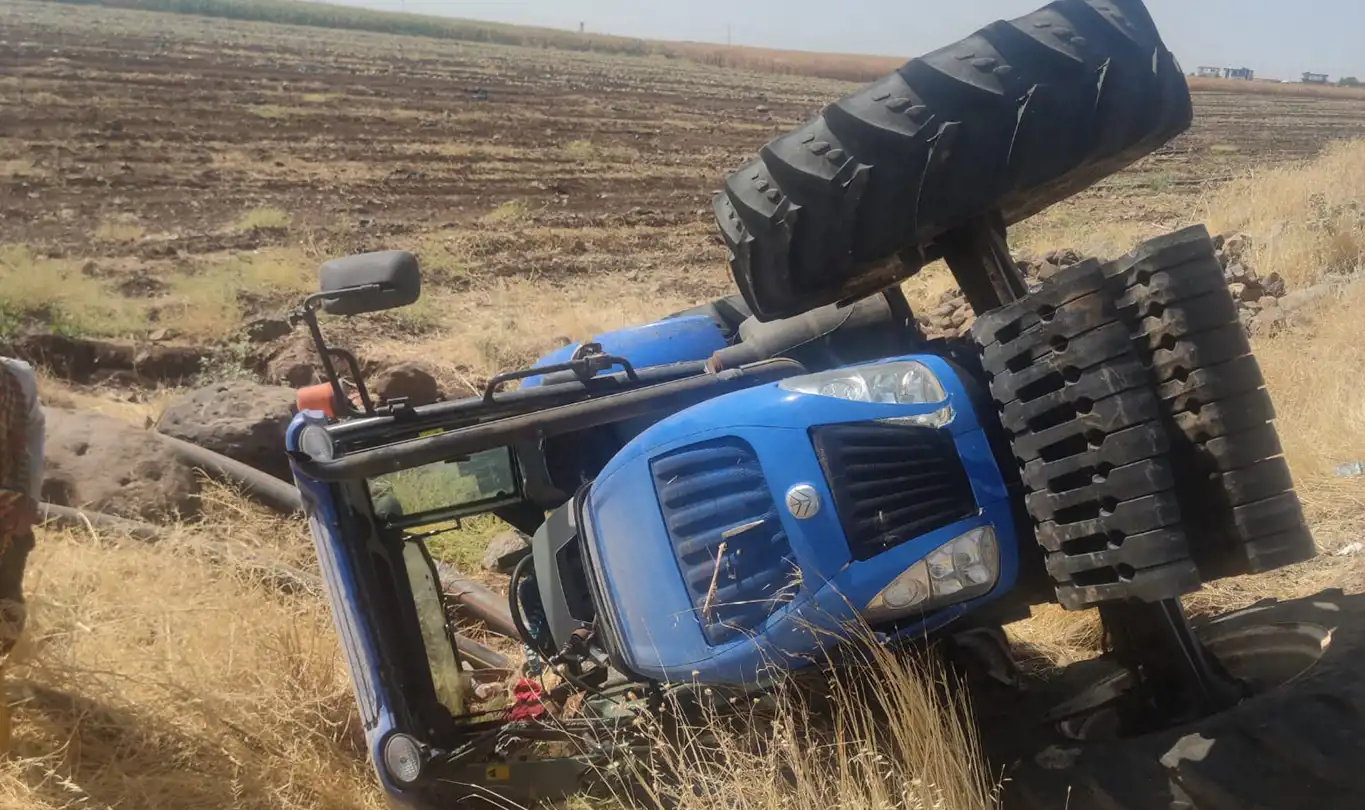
16,512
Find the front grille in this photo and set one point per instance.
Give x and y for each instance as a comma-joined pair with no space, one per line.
892,483
714,493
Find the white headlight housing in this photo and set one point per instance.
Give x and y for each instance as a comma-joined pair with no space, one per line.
960,570
402,759
316,443
904,382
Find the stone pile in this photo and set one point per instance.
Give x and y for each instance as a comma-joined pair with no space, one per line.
953,316
1259,298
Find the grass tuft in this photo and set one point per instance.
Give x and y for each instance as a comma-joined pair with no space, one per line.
266,218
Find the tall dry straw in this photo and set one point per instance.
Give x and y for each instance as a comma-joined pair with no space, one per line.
1306,219
888,733
154,679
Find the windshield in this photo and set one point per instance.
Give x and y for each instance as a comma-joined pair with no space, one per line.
446,489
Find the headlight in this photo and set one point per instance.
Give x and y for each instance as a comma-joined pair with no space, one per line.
402,759
316,443
960,570
902,383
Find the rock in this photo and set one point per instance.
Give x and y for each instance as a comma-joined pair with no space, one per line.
1267,324
293,363
762,108
411,381
1274,285
1064,257
98,462
949,295
505,551
1251,306
267,330
1268,302
1238,272
84,361
1299,299
959,317
1235,246
1252,291
1237,288
1047,270
241,420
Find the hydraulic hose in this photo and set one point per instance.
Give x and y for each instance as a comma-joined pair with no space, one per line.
514,606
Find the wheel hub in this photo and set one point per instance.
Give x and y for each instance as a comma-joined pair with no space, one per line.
1259,657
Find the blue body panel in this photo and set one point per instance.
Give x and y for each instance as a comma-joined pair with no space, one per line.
676,340
353,629
651,601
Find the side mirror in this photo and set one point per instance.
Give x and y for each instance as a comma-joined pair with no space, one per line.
369,282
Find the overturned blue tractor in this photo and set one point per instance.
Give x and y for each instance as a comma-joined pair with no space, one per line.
724,497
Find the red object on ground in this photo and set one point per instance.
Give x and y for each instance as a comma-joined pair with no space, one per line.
528,705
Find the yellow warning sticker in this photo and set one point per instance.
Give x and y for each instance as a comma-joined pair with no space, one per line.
432,432
498,773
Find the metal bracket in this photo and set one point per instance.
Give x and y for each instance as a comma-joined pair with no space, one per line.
978,253
1176,679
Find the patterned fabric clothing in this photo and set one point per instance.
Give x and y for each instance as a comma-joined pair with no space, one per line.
15,470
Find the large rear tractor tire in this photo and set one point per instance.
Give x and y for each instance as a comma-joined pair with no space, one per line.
1298,744
1141,423
1086,431
1236,484
1012,119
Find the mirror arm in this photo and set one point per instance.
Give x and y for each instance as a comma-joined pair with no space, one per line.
307,314
354,366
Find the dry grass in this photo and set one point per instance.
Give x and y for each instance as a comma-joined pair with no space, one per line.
56,292
263,218
156,680
1261,87
511,211
1306,220
510,322
884,738
206,301
119,229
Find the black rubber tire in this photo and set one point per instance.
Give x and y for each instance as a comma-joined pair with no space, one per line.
1296,747
1235,483
1012,119
1085,428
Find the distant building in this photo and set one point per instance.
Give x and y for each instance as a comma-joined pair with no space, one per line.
1225,73
1315,78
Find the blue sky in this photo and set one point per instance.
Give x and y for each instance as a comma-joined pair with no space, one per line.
1277,38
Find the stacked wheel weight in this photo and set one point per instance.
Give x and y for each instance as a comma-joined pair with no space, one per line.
1086,428
1235,486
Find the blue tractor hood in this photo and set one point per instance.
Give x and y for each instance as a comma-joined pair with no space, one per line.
706,573
673,340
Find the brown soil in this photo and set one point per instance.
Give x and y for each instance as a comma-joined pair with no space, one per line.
157,148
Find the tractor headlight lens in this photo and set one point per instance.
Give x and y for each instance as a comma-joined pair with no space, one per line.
316,443
402,759
901,383
960,570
